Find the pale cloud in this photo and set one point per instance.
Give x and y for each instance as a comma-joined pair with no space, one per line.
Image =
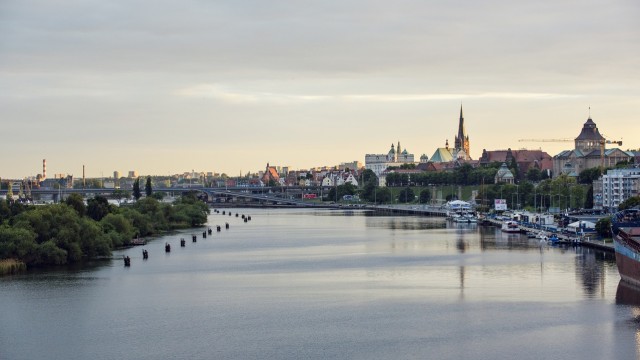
221,93
282,76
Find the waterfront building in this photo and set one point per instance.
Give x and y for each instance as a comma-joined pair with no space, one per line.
526,159
378,163
588,153
616,186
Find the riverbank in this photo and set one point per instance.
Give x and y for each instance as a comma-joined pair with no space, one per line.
11,266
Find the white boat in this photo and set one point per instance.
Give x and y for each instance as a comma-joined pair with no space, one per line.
510,227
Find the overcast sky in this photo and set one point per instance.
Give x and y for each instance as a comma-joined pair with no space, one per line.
165,87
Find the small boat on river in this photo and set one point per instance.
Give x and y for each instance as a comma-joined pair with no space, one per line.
510,227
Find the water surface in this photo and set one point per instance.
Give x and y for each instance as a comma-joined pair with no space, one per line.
318,284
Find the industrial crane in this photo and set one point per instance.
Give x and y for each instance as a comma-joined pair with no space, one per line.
603,142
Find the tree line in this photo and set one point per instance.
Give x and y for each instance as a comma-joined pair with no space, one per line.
72,231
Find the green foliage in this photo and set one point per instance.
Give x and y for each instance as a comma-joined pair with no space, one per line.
588,176
5,210
406,195
147,188
58,234
383,195
588,201
158,195
342,190
463,175
119,194
534,174
515,168
425,196
603,227
118,228
77,203
98,207
369,177
136,189
16,243
629,203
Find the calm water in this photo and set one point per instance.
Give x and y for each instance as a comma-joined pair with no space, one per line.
303,284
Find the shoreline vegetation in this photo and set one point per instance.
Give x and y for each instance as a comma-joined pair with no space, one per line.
70,232
11,266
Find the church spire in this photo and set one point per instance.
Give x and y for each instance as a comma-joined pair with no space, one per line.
462,140
461,131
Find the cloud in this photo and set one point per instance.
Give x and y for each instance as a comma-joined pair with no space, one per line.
223,94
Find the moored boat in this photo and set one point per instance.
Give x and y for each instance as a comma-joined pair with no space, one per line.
626,242
510,227
627,246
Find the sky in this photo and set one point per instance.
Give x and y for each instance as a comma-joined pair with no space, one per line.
227,86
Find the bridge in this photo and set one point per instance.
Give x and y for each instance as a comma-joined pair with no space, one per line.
291,196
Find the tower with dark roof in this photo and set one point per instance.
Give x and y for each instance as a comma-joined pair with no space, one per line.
462,140
589,138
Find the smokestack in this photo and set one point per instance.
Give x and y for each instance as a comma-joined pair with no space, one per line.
83,178
44,169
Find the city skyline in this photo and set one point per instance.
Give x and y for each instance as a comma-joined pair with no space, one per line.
228,87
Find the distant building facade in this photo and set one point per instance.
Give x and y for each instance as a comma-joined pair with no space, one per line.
615,187
378,163
587,153
526,159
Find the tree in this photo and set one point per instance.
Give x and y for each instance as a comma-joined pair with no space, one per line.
406,195
588,176
119,194
136,189
534,174
629,203
77,203
588,201
603,227
425,196
147,188
98,207
342,190
368,176
159,195
383,195
515,169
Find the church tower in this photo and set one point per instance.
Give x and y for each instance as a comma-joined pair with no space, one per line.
462,140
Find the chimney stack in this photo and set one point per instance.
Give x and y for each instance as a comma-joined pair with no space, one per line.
44,169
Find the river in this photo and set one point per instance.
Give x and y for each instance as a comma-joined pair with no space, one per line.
327,284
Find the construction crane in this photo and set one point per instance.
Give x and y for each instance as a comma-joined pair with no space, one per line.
603,142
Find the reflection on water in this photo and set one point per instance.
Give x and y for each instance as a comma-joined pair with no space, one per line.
317,284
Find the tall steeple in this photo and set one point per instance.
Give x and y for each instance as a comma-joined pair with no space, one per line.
462,140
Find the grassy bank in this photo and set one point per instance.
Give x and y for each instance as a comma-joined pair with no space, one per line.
11,266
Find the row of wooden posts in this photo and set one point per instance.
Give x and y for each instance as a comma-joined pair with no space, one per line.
194,238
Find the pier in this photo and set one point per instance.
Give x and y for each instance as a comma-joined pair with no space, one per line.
563,238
